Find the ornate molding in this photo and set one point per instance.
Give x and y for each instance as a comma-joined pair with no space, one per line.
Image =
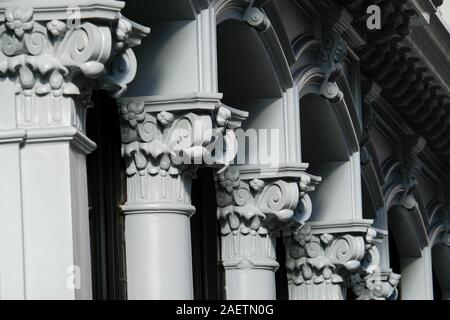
57,63
56,58
333,50
165,139
371,94
322,265
259,206
314,259
412,165
257,19
379,285
392,58
252,211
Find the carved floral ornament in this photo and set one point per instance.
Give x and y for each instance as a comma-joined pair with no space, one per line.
376,286
412,165
259,207
51,57
168,143
332,52
257,19
340,259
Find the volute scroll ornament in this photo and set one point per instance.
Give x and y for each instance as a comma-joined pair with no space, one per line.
172,141
332,53
260,206
66,59
253,212
322,266
163,144
257,19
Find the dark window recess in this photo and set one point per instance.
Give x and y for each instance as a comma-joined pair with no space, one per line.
437,291
204,229
106,187
280,275
394,259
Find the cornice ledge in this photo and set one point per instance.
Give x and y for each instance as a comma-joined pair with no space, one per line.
12,136
177,102
56,9
341,226
284,170
61,134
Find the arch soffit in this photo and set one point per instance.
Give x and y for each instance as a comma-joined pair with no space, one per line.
239,10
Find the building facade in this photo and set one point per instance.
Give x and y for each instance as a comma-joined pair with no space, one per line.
224,149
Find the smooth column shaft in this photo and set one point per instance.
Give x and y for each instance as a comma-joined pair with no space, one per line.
159,256
250,284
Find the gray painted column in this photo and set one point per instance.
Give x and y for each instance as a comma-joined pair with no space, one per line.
169,116
164,140
252,209
158,238
417,277
12,281
51,58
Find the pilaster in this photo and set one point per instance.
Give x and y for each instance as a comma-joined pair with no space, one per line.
53,55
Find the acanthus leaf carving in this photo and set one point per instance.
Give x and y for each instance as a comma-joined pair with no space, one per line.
260,206
166,146
48,56
332,52
172,139
252,212
412,166
336,261
314,259
378,285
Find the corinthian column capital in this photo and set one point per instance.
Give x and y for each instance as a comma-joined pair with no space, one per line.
255,208
261,205
322,264
55,50
166,138
252,210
